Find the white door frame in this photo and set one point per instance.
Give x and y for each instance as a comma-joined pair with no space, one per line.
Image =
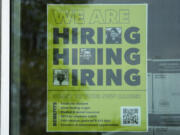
5,66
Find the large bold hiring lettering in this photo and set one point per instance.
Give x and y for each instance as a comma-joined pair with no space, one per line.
87,77
87,35
132,36
57,35
74,56
64,56
100,56
99,77
111,76
74,35
99,35
132,78
74,77
110,55
132,57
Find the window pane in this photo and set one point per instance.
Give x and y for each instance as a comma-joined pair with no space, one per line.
29,66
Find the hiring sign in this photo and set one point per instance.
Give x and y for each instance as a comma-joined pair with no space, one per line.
97,67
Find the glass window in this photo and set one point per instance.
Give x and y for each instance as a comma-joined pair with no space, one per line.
28,72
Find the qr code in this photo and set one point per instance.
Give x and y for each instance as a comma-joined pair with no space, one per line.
130,116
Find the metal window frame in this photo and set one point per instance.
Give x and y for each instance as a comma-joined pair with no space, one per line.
5,66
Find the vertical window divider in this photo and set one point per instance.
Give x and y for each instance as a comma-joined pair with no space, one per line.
5,66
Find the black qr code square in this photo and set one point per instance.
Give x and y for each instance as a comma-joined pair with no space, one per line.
130,116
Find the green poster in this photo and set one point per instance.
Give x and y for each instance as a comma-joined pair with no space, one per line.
97,68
